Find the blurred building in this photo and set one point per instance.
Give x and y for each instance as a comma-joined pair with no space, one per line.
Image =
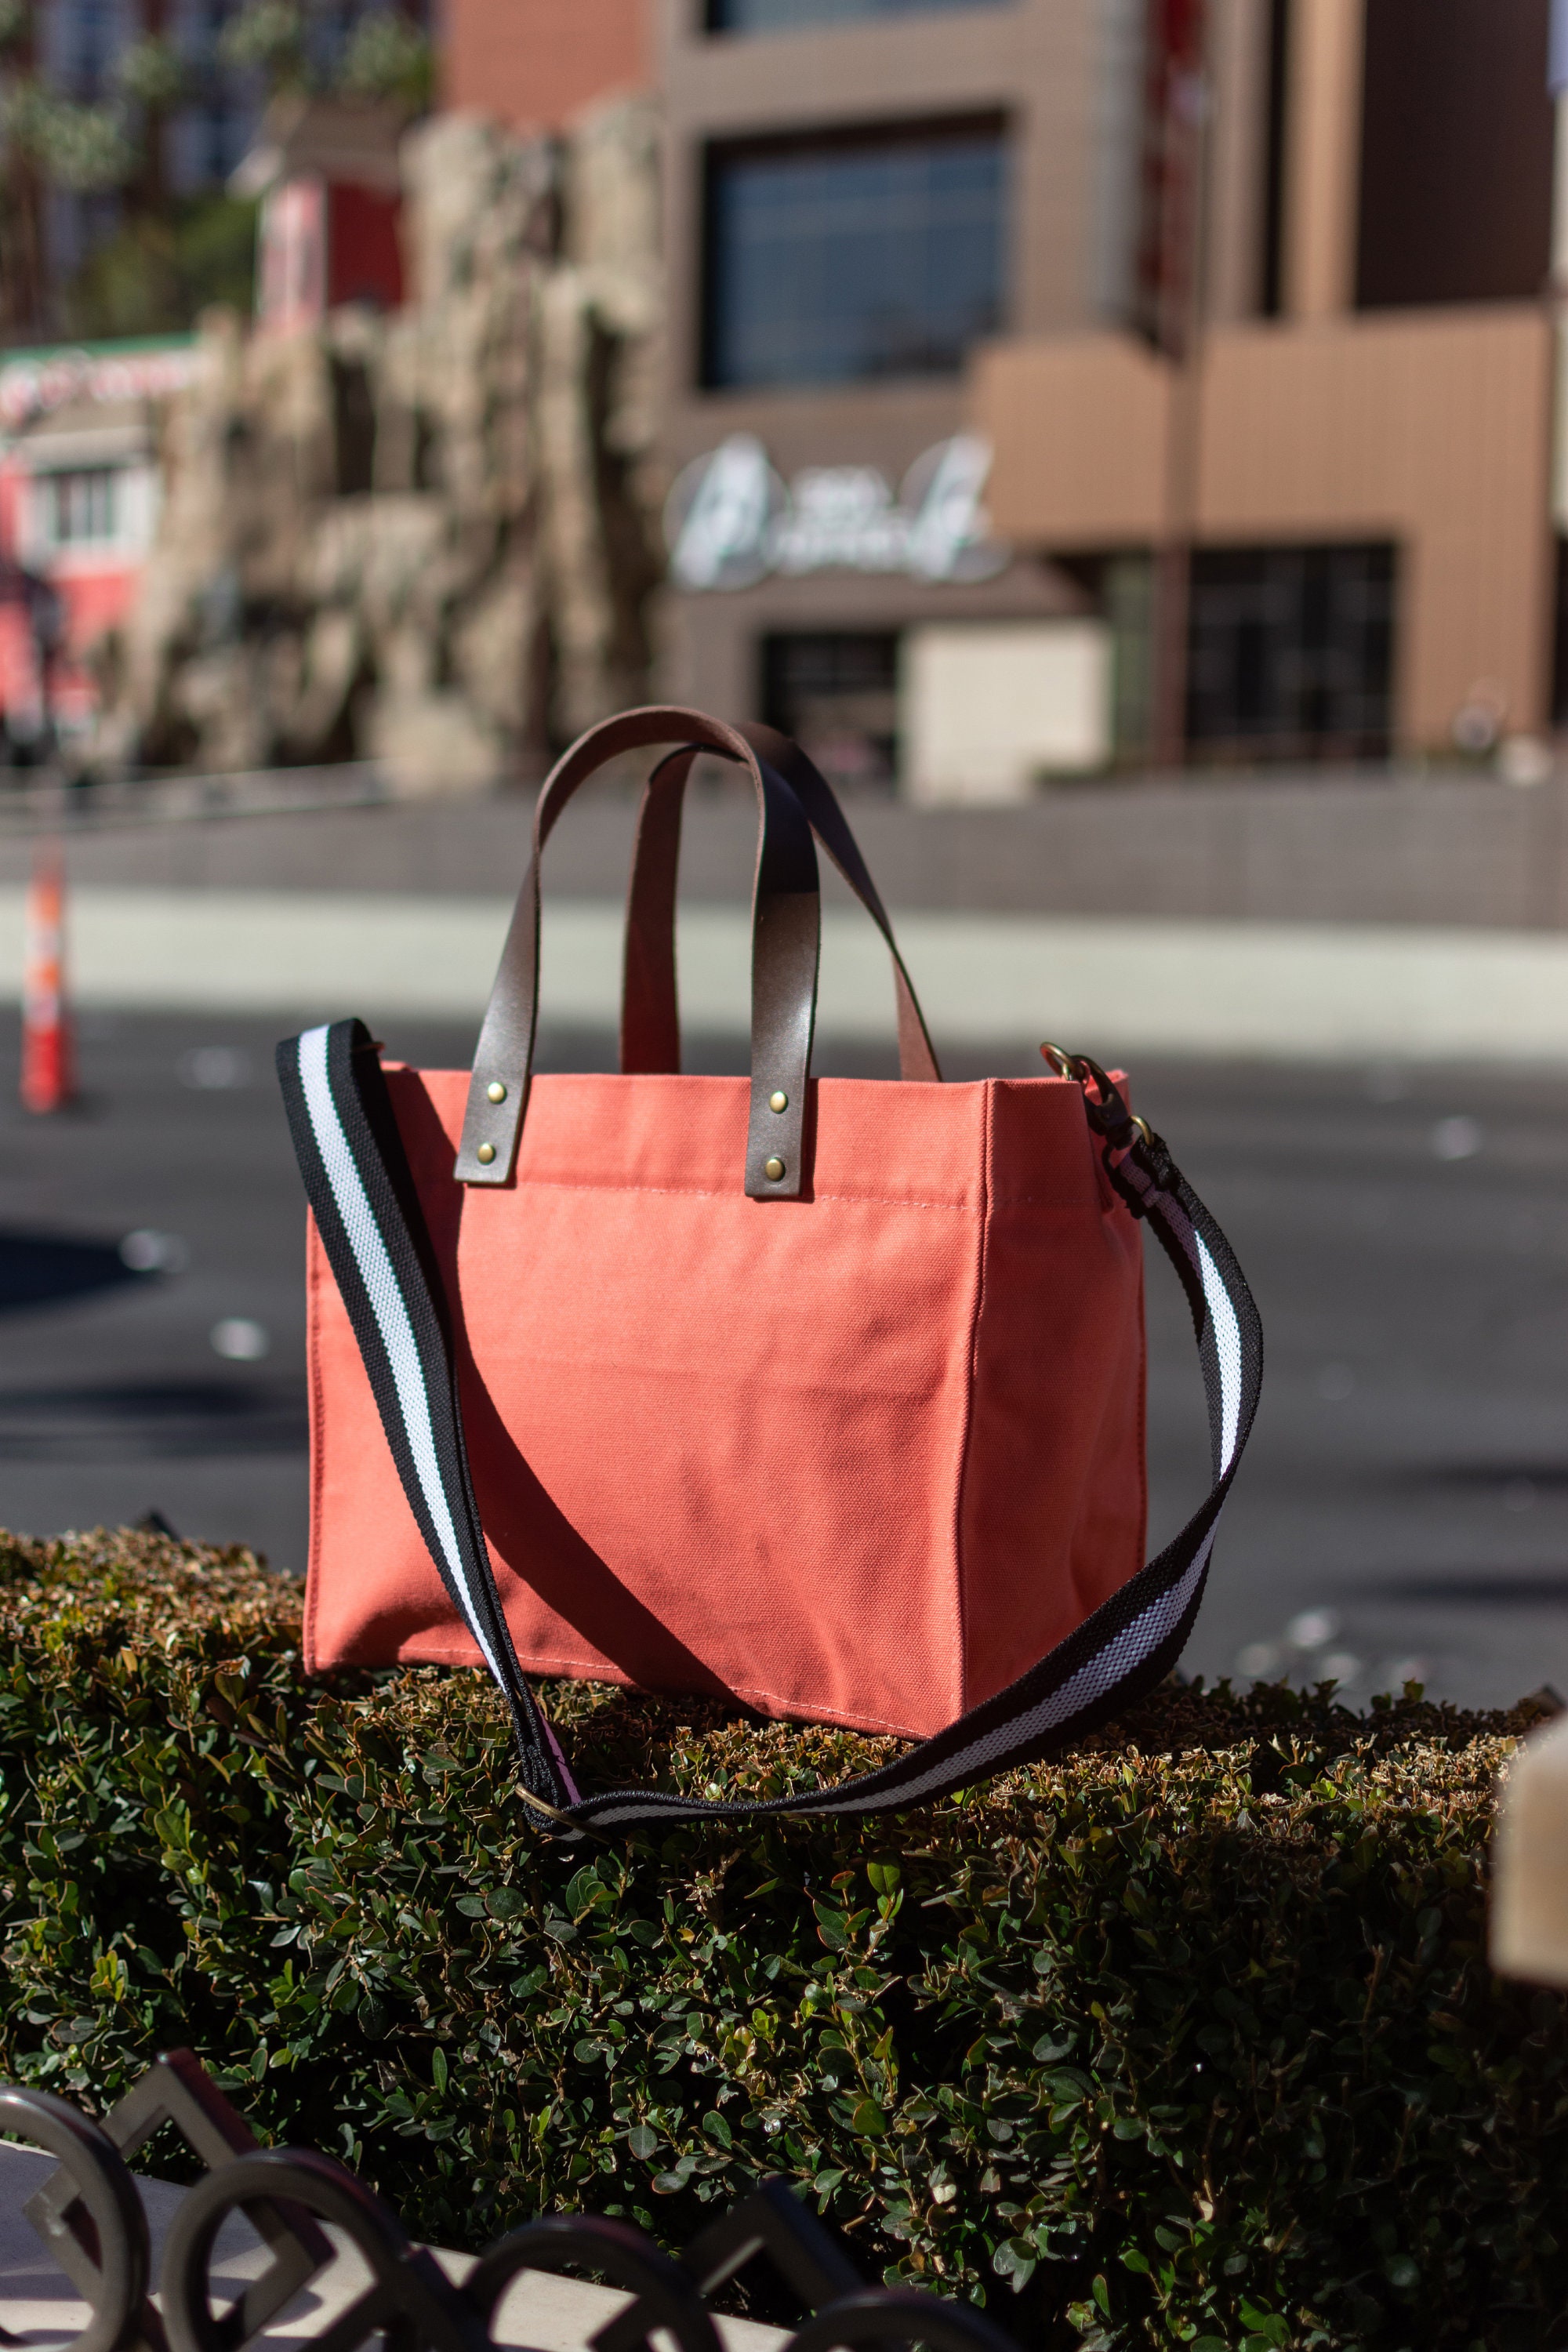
1049,385
80,491
987,313
534,64
325,171
857,201
1341,392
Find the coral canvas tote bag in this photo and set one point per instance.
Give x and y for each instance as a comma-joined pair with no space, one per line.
822,1395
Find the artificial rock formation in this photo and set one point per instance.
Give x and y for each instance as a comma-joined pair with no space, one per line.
426,536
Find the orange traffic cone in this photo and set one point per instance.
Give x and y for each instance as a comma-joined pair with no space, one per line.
47,1076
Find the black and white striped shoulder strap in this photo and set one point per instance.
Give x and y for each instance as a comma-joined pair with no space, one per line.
360,1189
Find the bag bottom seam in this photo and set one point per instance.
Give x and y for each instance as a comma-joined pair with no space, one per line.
584,1670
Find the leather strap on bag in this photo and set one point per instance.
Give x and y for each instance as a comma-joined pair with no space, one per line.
785,933
650,1015
650,1025
368,1214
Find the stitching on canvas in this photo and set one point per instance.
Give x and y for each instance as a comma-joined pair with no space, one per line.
318,1438
1141,1549
960,1484
704,1193
467,1654
1043,1201
878,1730
850,1200
545,1662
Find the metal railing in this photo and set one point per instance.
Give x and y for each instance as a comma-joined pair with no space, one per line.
91,2218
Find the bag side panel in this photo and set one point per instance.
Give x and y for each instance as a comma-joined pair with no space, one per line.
318,1287
1055,1499
715,1441
372,1590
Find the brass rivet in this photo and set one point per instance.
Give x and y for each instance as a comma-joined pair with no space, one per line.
485,1154
496,1091
774,1168
779,1101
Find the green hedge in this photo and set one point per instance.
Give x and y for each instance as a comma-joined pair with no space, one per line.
1189,2038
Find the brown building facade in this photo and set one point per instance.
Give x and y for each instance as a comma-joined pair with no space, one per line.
855,200
1057,384
1222,332
1357,442
534,64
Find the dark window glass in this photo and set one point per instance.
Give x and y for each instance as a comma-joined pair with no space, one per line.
836,692
833,261
1273,222
1291,652
1457,152
784,15
82,506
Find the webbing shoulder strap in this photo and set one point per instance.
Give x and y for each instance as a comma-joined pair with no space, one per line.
372,1227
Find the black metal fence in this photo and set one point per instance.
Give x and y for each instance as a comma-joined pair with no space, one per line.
89,2216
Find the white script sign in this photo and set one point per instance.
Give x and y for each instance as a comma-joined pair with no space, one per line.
732,520
34,383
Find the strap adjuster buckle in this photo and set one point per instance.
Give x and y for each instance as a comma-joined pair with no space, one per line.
1104,1109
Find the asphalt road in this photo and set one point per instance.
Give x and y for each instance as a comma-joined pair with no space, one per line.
1403,1511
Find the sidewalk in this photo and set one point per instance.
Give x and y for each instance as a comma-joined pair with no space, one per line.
1301,991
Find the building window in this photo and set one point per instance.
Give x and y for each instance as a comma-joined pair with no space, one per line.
1271,290
92,24
836,692
839,259
787,15
1457,135
81,507
1291,653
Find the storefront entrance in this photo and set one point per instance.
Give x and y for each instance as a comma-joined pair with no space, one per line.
835,691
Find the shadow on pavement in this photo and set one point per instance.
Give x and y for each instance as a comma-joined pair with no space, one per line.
135,1421
38,1268
1545,1588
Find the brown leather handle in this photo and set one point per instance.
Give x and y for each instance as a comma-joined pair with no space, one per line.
651,1020
785,935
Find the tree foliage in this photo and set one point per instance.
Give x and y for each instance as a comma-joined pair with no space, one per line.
389,58
384,55
269,38
153,73
157,272
91,147
82,148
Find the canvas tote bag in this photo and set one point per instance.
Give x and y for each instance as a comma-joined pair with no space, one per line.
825,1396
